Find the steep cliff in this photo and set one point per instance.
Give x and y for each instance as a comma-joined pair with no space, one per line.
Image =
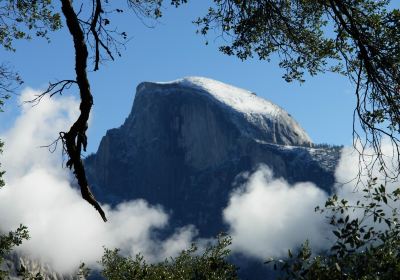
185,142
16,264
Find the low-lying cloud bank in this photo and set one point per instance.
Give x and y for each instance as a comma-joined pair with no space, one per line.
64,229
266,216
269,216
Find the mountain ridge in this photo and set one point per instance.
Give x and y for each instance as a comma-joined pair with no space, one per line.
243,104
183,150
184,147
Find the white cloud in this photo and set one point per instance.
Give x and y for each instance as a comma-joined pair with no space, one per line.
37,126
64,228
268,216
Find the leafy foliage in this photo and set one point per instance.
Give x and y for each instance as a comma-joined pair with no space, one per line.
9,81
24,274
190,264
291,28
375,262
21,19
367,244
356,38
13,238
10,240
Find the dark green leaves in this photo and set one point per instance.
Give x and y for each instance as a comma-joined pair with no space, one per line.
190,264
10,240
294,30
22,19
366,239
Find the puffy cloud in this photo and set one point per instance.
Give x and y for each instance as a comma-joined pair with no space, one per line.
268,216
36,126
64,228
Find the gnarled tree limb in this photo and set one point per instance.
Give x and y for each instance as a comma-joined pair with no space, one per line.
75,139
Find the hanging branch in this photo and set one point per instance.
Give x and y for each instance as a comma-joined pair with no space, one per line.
75,139
95,35
376,91
327,36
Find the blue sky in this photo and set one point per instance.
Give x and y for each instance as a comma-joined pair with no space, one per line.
323,105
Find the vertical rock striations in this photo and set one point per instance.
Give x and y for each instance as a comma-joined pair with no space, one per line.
185,142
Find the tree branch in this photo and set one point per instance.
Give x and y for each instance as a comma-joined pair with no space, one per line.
53,89
75,139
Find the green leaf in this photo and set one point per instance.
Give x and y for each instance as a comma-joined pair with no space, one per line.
337,233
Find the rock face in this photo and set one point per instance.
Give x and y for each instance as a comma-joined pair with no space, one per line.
185,142
16,263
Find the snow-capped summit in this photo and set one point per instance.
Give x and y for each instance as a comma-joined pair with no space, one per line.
186,141
254,116
239,99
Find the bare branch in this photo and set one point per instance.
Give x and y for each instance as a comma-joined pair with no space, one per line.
75,139
53,89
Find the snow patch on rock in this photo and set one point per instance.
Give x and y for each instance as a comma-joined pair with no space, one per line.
254,109
239,99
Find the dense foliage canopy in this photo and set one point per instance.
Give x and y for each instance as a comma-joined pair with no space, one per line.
211,264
